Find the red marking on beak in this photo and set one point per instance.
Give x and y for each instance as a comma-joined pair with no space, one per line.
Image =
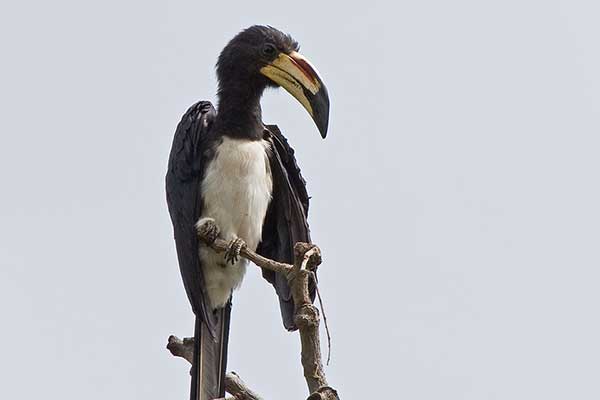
305,67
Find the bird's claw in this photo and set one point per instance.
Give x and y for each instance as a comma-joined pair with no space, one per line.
232,254
207,230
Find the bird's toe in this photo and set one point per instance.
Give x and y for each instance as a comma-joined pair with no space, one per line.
232,254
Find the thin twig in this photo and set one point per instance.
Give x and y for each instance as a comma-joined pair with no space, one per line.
324,318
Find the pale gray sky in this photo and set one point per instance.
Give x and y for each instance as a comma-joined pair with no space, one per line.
456,198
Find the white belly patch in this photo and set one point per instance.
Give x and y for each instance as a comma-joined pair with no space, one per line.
236,191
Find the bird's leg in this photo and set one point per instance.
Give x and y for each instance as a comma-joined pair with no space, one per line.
234,248
207,229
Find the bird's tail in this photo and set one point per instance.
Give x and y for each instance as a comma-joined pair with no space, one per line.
210,357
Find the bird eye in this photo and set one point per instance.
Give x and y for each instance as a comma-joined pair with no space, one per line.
269,50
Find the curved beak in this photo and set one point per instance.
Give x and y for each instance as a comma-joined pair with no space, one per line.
297,75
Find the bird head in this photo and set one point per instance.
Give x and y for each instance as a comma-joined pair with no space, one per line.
262,56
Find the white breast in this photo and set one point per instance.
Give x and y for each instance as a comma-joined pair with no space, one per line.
236,192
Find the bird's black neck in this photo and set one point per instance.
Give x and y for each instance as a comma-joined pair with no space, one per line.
239,113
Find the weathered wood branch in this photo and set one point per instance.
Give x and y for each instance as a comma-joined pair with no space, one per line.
182,348
307,257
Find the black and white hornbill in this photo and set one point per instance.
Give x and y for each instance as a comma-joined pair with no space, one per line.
229,168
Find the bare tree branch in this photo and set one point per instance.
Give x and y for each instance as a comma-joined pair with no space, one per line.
235,386
182,348
307,257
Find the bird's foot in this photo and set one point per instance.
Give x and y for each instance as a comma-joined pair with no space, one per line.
232,254
207,229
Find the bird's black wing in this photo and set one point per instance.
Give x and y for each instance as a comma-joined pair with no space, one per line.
184,175
286,220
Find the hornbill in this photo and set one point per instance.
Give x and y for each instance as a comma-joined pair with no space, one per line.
227,167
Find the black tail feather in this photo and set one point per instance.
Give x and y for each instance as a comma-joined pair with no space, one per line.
210,357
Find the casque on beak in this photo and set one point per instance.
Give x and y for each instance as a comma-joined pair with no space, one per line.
296,74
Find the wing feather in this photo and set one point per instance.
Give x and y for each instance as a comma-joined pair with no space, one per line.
184,175
286,220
